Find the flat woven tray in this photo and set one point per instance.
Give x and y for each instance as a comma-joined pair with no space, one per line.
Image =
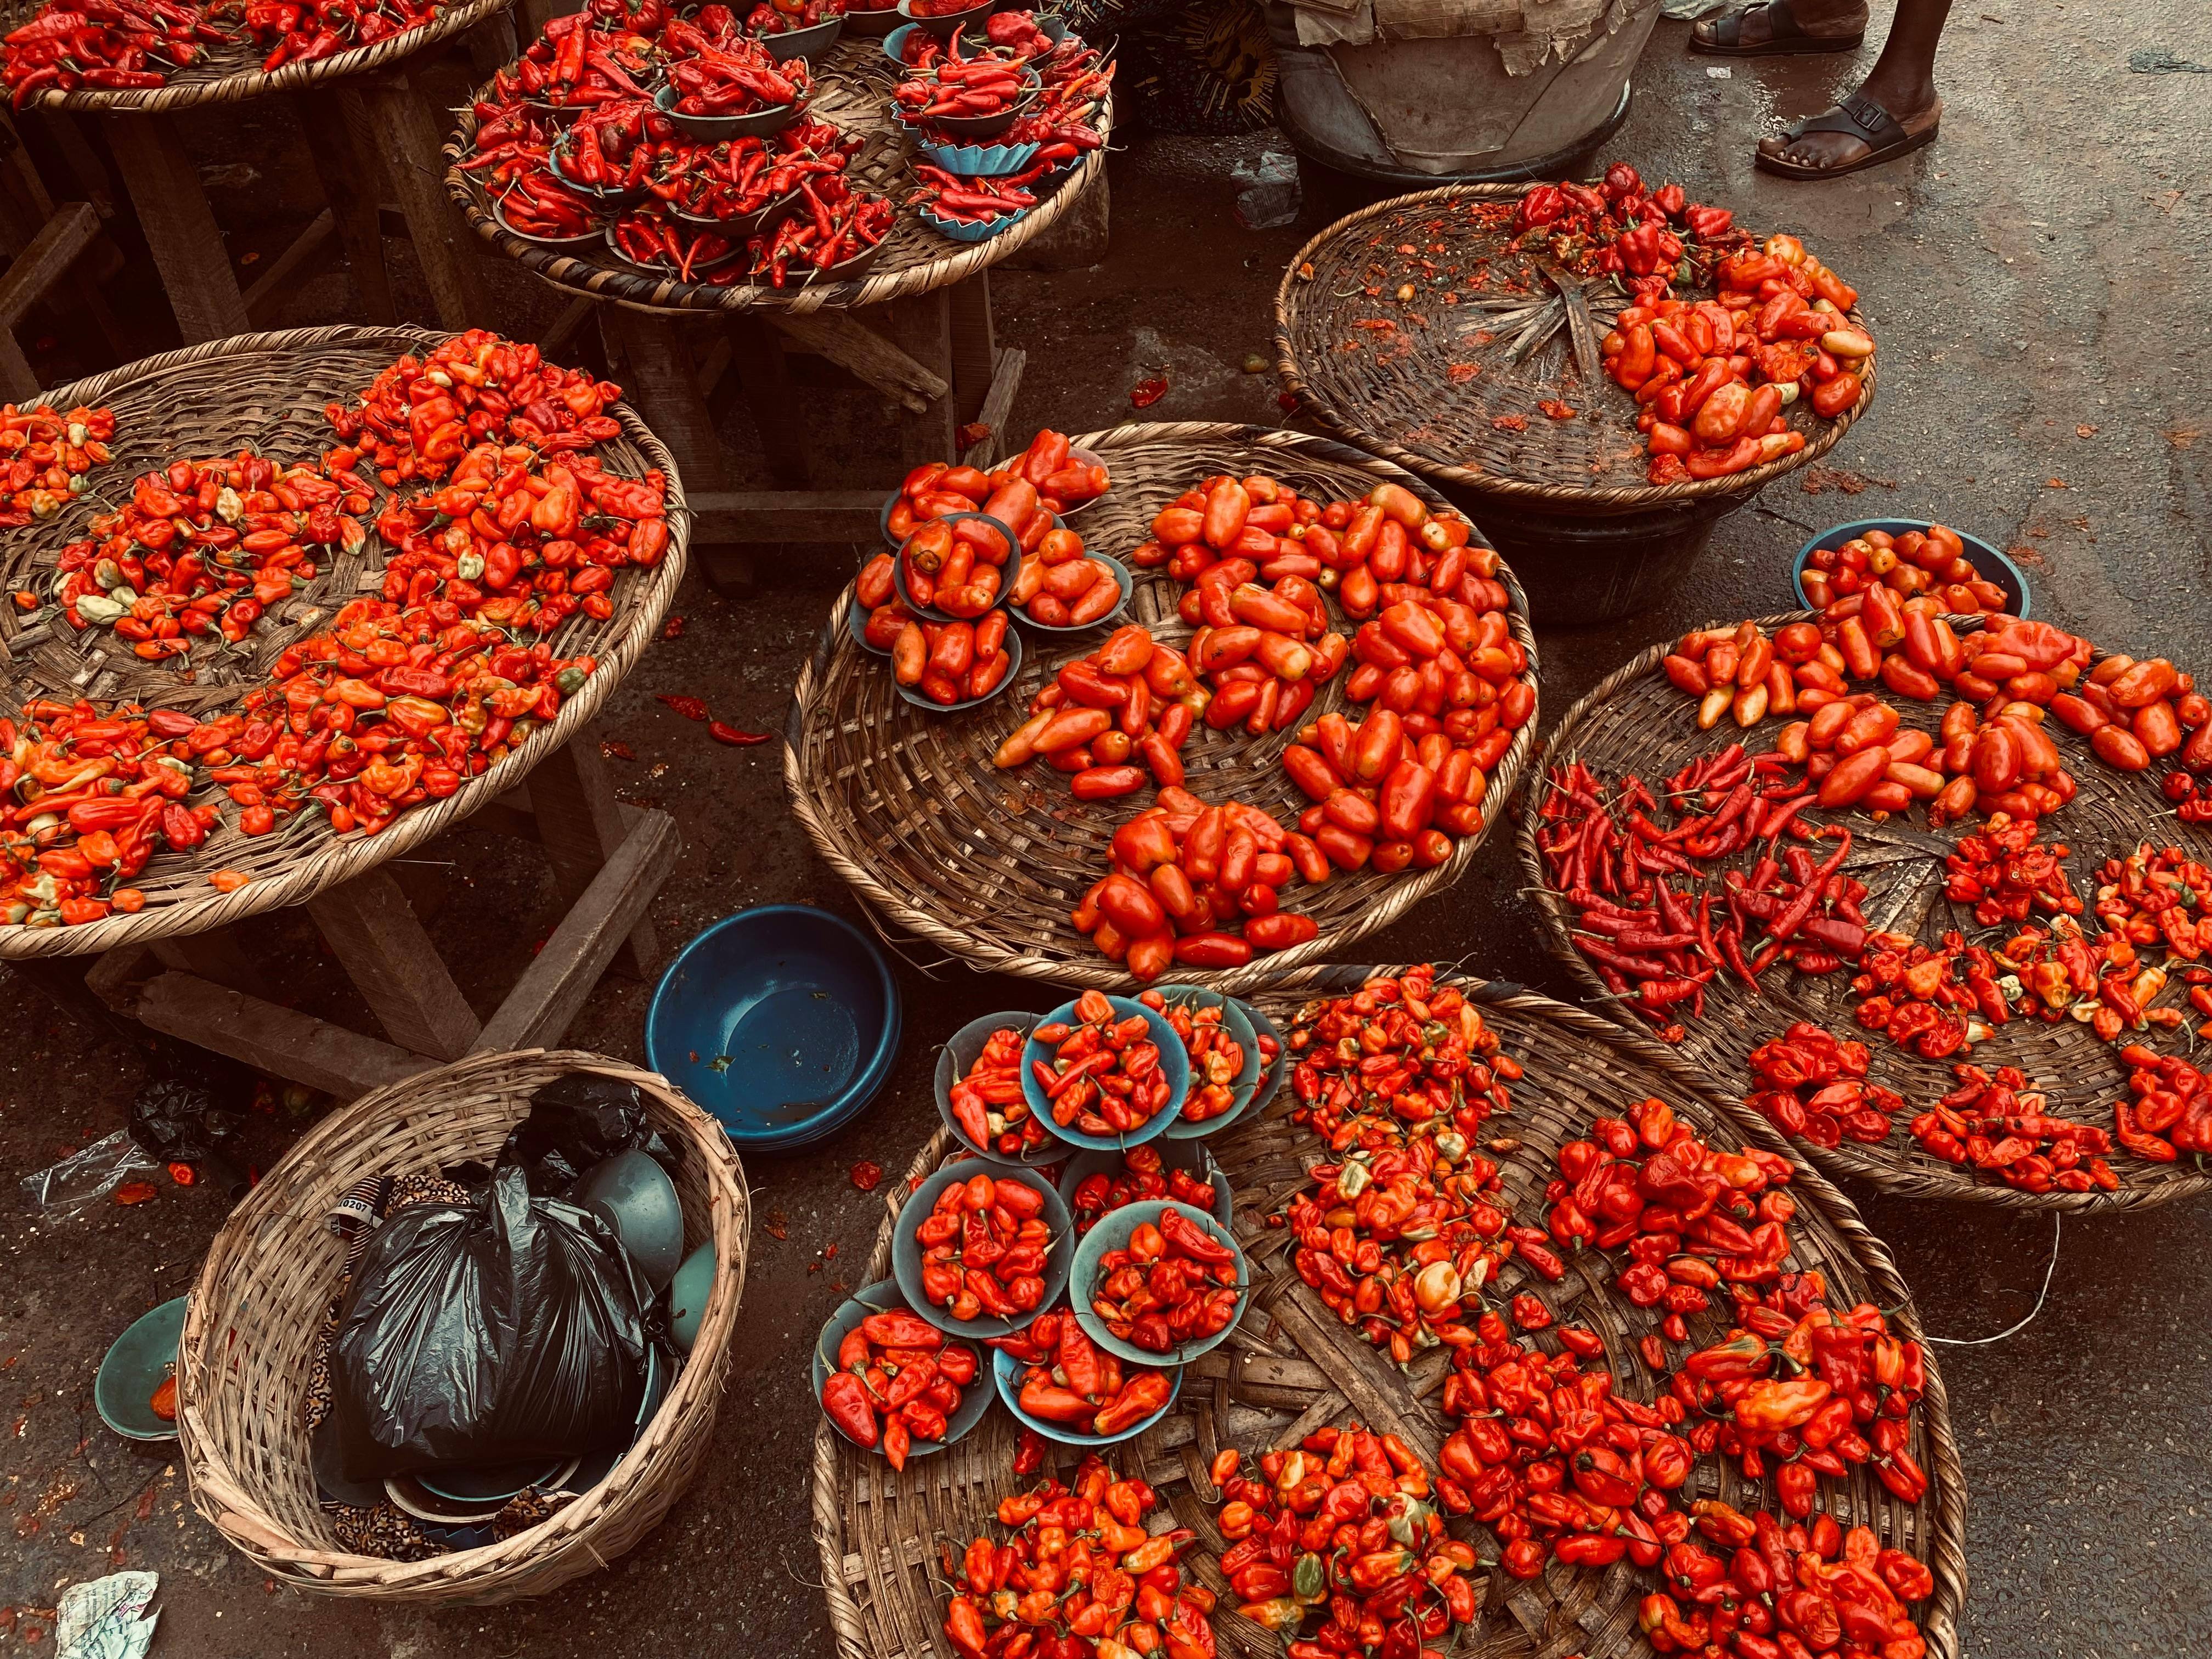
1290,1366
232,74
1395,377
853,85
1635,720
267,392
986,865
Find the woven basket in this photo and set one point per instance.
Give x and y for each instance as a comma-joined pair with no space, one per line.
852,88
232,74
1635,720
242,1370
986,865
1395,394
1291,1367
267,391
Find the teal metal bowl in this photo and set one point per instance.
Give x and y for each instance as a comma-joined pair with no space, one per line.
1112,1233
961,1052
883,1297
782,1021
1174,1063
138,1362
636,1197
906,1249
1006,1373
1236,1020
688,1295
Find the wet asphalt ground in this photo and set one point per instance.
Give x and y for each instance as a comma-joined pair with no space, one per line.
2038,281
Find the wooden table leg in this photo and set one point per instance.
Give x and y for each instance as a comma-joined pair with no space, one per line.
333,118
757,354
408,135
374,932
180,229
922,326
660,375
580,824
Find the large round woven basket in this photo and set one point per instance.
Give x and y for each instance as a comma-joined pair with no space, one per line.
1636,721
1290,1366
853,86
231,73
263,1290
1395,377
985,865
267,392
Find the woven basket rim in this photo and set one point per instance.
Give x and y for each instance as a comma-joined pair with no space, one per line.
1947,1556
222,1500
1620,498
354,854
1886,1173
253,84
1407,890
590,279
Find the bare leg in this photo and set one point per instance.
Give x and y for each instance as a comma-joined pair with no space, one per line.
1843,20
1903,83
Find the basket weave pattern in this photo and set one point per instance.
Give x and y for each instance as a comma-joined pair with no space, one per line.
243,1370
986,865
1290,1366
1636,721
1396,395
267,392
232,74
853,85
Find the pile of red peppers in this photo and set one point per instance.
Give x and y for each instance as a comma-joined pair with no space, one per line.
1104,1076
1077,1575
1812,1086
104,46
503,525
1172,1284
1933,561
983,1248
1069,1380
896,1375
988,1101
1340,1528
1142,1176
44,461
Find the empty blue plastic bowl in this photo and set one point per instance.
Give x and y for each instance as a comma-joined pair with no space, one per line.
782,1021
1006,1373
1989,563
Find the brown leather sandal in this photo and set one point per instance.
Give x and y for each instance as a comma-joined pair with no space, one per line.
1786,36
1863,119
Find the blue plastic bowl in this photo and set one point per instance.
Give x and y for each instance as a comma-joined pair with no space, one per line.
782,1021
883,1297
1174,1063
1265,1094
953,1061
978,160
1006,1373
1190,1155
982,230
1112,1233
1247,1081
906,1249
1989,563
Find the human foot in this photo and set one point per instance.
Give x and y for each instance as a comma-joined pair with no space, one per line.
1865,128
1783,27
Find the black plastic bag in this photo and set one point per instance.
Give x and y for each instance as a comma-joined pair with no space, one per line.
578,1121
507,1328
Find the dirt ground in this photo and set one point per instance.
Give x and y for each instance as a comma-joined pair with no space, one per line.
2038,279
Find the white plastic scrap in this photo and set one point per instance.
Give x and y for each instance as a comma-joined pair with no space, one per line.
106,1619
